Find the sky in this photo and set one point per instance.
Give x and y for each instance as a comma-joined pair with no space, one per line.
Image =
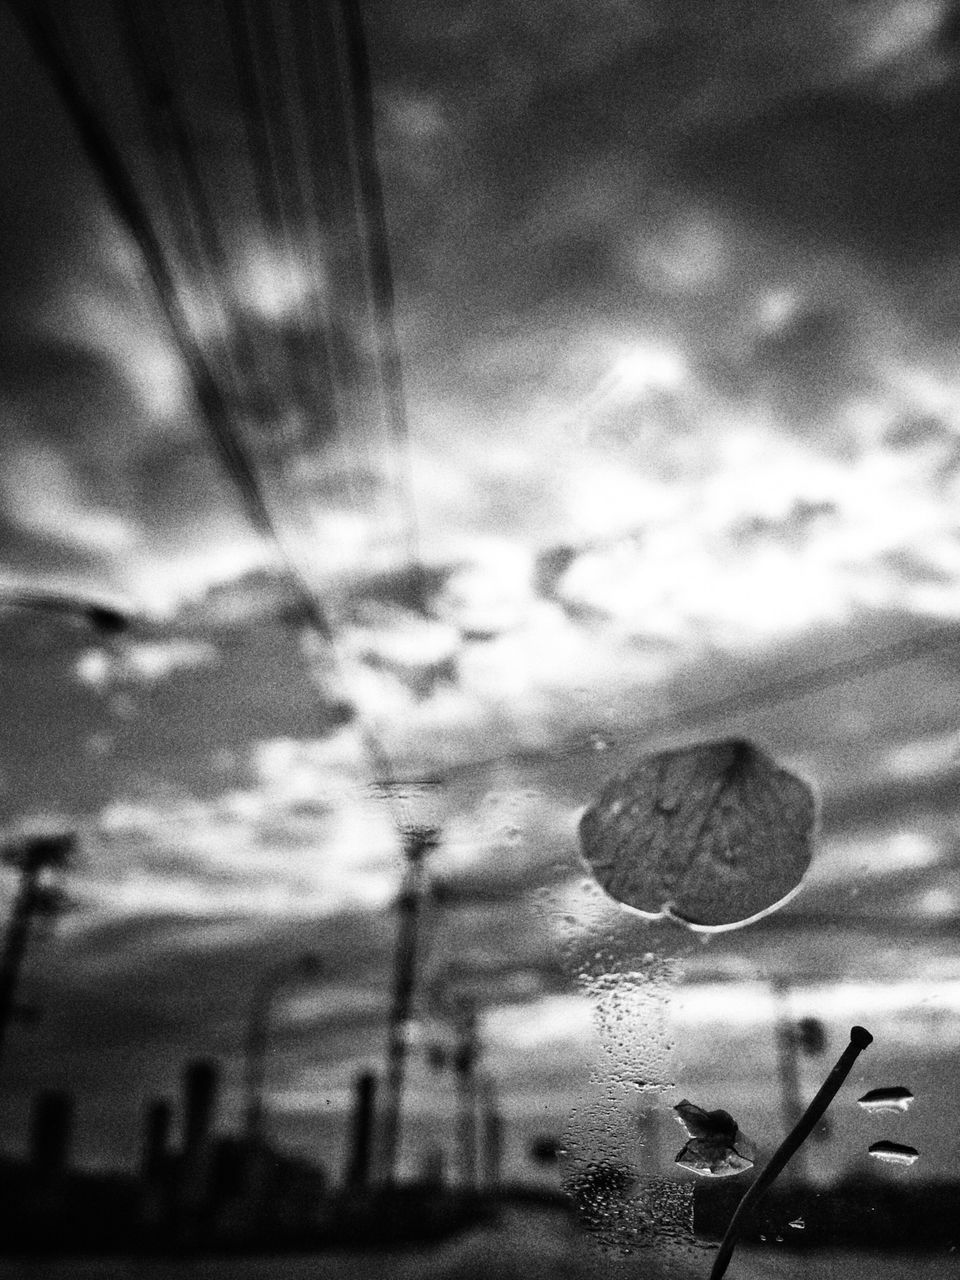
676,301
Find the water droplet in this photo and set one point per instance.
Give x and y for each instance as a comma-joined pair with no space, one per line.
600,742
879,1100
798,1224
894,1153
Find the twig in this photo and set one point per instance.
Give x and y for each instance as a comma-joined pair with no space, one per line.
859,1039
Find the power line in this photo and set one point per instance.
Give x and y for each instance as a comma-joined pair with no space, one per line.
307,246
316,193
108,164
354,69
288,190
192,222
771,693
168,128
273,145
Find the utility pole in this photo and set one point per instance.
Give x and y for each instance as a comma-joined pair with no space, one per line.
417,843
464,1062
254,1065
32,857
806,1035
304,968
457,999
364,1103
492,1122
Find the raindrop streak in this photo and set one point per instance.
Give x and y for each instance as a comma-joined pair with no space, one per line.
894,1153
881,1100
714,835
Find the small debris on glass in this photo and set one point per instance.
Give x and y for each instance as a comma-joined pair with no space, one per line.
717,1148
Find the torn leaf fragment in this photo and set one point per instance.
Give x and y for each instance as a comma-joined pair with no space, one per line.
717,1148
715,834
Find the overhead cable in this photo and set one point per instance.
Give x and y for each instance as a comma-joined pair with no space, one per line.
769,694
108,164
354,69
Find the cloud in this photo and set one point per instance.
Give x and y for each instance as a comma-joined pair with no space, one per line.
50,717
142,661
872,175
49,214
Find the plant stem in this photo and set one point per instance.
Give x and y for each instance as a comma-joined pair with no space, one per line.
859,1039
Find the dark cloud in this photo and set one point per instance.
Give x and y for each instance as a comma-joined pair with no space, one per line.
49,718
68,742
876,175
38,364
242,601
906,802
796,525
258,689
49,214
409,587
29,552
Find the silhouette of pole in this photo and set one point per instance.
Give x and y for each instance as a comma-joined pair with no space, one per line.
156,1140
492,1121
255,1063
258,1033
201,1080
358,1170
417,843
465,1060
31,857
51,1128
155,1165
791,1103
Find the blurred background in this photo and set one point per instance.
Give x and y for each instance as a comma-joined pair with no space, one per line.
411,416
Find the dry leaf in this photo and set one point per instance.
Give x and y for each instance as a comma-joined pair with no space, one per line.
714,834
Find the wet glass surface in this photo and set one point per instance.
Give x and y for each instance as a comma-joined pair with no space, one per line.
479,600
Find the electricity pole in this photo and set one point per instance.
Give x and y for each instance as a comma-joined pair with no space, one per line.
32,857
492,1122
417,843
465,1060
794,1036
305,968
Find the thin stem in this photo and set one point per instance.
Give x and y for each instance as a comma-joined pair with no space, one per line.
859,1039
